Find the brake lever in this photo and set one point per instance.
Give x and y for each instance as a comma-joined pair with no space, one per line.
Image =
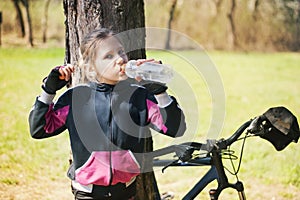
184,152
165,167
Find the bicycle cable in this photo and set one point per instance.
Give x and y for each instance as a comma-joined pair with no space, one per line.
234,157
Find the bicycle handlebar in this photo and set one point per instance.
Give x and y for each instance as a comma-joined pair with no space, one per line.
237,134
182,150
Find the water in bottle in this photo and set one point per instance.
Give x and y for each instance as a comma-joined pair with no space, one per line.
149,71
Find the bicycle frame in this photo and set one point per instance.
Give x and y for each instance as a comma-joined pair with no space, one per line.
216,172
278,126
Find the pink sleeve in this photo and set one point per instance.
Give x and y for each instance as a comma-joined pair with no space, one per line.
55,119
155,117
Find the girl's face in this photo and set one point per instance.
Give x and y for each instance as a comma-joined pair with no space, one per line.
110,57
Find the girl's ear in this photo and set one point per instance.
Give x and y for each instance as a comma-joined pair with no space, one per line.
90,72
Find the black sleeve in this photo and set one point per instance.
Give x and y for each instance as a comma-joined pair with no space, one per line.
174,119
45,122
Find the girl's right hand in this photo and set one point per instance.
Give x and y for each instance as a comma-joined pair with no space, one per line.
57,79
155,88
141,61
151,60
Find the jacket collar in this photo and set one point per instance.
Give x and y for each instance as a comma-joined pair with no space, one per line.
101,87
104,87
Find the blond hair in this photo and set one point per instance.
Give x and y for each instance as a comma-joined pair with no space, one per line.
85,68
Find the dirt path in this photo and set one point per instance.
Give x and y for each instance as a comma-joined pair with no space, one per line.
45,189
255,189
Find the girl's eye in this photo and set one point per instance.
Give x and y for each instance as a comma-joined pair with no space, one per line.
109,56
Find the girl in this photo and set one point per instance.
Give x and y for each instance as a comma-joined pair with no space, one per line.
108,117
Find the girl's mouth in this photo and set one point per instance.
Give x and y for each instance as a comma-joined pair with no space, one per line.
122,68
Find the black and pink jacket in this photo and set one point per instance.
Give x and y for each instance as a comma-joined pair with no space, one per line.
107,127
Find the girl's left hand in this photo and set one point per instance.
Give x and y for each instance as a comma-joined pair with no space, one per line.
57,79
66,72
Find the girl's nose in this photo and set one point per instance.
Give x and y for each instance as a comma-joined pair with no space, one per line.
124,57
120,61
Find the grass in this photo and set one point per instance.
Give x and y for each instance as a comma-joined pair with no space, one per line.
252,82
26,162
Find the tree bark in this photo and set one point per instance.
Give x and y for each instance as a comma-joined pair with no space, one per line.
218,4
119,15
298,28
172,10
30,32
0,35
232,23
45,21
19,17
256,11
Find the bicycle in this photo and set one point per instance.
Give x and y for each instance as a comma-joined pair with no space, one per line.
277,125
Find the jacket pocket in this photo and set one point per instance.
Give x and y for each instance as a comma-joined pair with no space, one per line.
124,167
105,168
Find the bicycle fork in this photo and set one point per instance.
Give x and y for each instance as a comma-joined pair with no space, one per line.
216,172
223,180
214,193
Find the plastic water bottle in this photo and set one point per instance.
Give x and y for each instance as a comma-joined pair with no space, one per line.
149,71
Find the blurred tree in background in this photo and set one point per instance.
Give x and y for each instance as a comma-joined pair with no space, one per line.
20,20
32,22
266,25
231,24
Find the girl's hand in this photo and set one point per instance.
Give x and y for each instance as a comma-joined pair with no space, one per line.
153,87
141,61
57,79
66,72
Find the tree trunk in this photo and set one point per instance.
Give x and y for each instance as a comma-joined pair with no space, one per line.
45,20
30,34
255,11
218,4
172,10
19,17
0,28
119,15
298,28
232,23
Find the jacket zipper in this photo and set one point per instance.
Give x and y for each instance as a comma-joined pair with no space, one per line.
111,139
